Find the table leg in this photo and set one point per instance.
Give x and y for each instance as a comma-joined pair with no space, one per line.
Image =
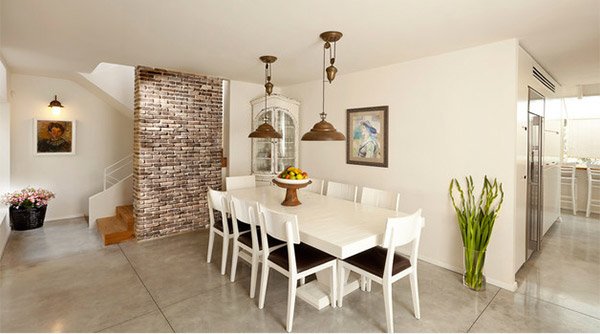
316,293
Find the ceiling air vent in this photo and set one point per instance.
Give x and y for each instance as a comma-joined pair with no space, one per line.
541,78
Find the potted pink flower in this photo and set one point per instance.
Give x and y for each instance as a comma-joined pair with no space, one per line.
27,207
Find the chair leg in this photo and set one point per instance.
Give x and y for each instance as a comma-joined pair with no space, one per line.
263,285
303,281
224,257
341,284
387,298
369,281
234,259
291,302
414,288
334,288
573,199
211,241
589,200
253,275
363,283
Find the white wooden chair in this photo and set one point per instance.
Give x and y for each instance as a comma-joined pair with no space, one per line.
385,267
247,246
317,186
240,182
295,261
344,191
217,200
568,191
593,174
380,198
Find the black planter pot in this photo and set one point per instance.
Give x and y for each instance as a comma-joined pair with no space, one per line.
22,219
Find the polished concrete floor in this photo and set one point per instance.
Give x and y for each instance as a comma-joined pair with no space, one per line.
61,278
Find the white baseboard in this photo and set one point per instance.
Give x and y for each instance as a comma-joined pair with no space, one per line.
79,215
459,270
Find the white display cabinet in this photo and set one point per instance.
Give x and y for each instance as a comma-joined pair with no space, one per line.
270,157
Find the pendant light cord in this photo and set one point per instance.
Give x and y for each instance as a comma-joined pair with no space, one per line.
323,114
266,95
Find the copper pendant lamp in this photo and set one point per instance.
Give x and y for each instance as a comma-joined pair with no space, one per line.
266,130
323,130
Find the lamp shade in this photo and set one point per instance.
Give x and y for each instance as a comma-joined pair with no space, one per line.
265,130
323,131
55,103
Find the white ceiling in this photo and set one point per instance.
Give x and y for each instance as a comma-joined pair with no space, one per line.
226,37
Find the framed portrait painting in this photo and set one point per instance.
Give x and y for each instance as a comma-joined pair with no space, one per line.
367,136
53,137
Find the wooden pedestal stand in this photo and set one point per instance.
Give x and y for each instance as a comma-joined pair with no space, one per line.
291,196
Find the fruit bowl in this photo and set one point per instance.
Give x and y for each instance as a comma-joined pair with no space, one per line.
289,181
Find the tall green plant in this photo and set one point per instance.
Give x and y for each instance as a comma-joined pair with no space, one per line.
476,220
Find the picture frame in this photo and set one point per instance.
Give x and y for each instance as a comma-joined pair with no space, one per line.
367,136
54,137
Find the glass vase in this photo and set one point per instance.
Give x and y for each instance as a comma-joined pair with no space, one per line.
473,277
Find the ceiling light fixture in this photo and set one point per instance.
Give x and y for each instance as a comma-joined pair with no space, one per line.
324,130
265,130
55,105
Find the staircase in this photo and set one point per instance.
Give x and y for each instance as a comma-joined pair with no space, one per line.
117,228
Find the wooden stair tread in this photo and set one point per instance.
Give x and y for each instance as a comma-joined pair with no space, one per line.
114,229
125,212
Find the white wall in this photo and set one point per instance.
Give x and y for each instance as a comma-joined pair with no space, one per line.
103,137
240,125
450,115
117,81
4,154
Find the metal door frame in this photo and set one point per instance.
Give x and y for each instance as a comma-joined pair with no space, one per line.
534,243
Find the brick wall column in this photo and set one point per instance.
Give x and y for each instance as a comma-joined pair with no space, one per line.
177,150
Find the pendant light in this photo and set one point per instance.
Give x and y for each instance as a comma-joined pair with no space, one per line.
265,130
324,130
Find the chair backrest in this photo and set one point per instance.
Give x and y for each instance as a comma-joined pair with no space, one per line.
380,198
342,191
316,186
567,172
281,226
593,174
240,182
217,200
400,231
243,211
276,224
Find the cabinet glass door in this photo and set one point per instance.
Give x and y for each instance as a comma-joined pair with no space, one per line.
286,147
262,149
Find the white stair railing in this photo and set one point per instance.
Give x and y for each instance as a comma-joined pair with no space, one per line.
118,171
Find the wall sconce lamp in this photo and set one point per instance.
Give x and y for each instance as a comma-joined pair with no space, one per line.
55,106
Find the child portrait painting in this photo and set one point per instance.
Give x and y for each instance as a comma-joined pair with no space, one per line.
54,137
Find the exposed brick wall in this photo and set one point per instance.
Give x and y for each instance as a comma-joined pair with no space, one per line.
177,150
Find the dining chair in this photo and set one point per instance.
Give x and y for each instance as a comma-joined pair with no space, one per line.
295,261
240,182
380,198
384,266
593,174
342,191
247,246
317,186
217,200
568,191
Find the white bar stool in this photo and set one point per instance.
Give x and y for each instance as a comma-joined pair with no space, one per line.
593,174
568,187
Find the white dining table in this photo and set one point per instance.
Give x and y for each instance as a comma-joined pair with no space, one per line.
338,227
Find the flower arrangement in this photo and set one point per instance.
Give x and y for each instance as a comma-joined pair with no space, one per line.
476,220
28,198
